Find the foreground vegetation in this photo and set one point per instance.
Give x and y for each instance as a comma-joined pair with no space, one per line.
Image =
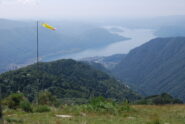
137,114
18,110
47,109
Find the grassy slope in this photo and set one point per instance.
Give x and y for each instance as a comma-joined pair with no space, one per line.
168,114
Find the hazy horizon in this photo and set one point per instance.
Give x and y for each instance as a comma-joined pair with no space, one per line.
89,9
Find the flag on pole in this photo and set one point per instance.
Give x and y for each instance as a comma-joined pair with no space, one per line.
48,26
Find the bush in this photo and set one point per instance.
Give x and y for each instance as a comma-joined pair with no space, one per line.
13,101
125,106
14,120
101,104
42,108
17,100
46,98
26,106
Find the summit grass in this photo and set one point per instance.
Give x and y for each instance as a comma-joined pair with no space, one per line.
137,114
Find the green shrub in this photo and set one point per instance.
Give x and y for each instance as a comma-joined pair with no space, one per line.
101,104
125,106
14,120
46,98
18,100
13,101
26,106
42,108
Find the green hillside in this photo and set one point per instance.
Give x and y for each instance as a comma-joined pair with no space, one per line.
65,79
156,67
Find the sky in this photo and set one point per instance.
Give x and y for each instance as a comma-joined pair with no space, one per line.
57,9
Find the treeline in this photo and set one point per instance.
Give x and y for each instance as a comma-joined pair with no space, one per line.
161,99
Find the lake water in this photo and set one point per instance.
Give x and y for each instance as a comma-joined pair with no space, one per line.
138,37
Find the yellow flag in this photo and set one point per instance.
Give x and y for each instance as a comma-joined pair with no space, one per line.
48,26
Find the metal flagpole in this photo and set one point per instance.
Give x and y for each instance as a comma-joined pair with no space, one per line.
37,45
37,62
1,111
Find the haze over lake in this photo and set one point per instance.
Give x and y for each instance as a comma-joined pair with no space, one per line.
137,38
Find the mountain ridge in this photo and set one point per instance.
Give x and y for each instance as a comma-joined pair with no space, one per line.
155,67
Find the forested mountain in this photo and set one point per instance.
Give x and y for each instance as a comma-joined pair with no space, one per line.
18,41
156,67
65,79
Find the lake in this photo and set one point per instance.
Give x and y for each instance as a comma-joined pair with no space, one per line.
138,37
